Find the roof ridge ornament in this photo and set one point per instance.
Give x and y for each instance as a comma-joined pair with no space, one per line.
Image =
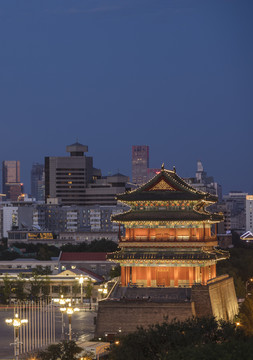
162,167
174,169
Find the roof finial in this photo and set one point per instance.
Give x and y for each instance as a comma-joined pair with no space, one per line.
162,167
174,169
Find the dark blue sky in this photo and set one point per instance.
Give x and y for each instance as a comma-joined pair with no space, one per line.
174,74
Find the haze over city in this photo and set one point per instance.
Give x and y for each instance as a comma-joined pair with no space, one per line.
175,75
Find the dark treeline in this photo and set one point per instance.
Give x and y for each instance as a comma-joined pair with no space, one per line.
193,339
45,252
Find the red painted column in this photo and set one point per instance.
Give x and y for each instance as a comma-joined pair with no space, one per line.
171,276
148,276
123,276
190,269
127,275
202,270
206,274
134,274
214,271
175,276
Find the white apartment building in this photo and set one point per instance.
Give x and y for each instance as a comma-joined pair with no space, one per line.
72,221
95,219
10,218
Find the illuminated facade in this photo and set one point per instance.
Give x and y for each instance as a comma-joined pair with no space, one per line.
168,240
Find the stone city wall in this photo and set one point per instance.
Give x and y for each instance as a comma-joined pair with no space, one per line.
126,315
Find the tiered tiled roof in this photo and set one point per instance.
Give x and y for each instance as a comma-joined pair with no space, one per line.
166,185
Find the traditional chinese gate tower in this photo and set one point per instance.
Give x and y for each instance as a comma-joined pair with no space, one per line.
168,240
168,259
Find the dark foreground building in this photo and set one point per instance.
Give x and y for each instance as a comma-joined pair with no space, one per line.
168,259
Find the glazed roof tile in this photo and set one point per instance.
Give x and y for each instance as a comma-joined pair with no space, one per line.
177,189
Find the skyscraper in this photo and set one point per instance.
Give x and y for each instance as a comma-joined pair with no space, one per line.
140,163
11,180
37,181
67,177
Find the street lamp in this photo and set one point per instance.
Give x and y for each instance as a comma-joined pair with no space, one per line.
69,311
81,280
16,323
62,301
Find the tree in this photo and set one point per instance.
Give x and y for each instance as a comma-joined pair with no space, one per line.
246,315
102,245
88,290
40,270
35,286
65,350
19,288
45,287
115,272
161,341
6,291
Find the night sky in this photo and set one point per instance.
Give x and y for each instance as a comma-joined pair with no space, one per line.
176,75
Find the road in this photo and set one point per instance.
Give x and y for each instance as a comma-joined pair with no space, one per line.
82,329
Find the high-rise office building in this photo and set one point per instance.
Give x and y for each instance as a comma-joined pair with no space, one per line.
66,178
235,203
140,163
11,185
38,181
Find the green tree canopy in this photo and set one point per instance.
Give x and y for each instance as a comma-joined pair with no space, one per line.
19,288
102,245
65,350
166,341
246,315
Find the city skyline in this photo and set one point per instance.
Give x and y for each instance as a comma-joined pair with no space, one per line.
26,181
175,75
